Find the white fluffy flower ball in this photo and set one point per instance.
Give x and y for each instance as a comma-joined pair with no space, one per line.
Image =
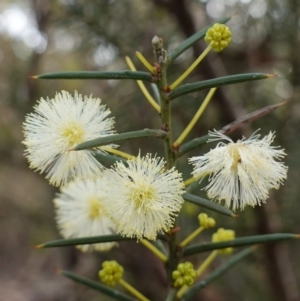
241,173
144,197
80,212
56,126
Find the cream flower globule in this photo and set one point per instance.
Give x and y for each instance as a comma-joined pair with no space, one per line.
80,212
144,197
241,173
59,124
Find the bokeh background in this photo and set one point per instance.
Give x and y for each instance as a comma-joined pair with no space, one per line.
40,36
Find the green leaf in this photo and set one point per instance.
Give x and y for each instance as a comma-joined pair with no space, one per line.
107,159
192,187
97,286
192,144
207,204
146,133
216,82
126,74
88,240
238,242
186,44
82,241
229,128
217,273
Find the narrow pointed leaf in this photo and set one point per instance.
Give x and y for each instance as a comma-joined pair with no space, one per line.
192,187
186,44
216,82
126,74
238,242
83,241
194,289
146,133
98,286
88,240
229,128
192,144
207,204
107,159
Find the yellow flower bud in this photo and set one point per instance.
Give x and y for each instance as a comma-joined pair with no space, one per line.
223,235
111,272
205,221
184,275
176,274
218,36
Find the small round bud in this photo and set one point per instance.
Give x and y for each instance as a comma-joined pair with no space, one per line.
223,235
184,275
179,282
205,221
176,274
111,272
218,36
180,267
193,274
211,222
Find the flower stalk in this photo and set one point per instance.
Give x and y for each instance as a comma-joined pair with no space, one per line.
154,250
182,77
205,264
145,62
205,222
132,290
120,153
192,236
195,118
150,99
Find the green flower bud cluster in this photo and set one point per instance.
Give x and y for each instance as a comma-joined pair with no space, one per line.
222,235
218,36
111,272
205,221
184,275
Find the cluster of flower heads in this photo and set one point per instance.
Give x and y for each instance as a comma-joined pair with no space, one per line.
138,198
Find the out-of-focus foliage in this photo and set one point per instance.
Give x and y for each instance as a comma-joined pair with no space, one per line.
42,36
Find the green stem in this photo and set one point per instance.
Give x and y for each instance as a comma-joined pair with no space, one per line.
161,60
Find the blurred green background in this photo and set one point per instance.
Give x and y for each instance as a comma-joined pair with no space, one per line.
40,36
